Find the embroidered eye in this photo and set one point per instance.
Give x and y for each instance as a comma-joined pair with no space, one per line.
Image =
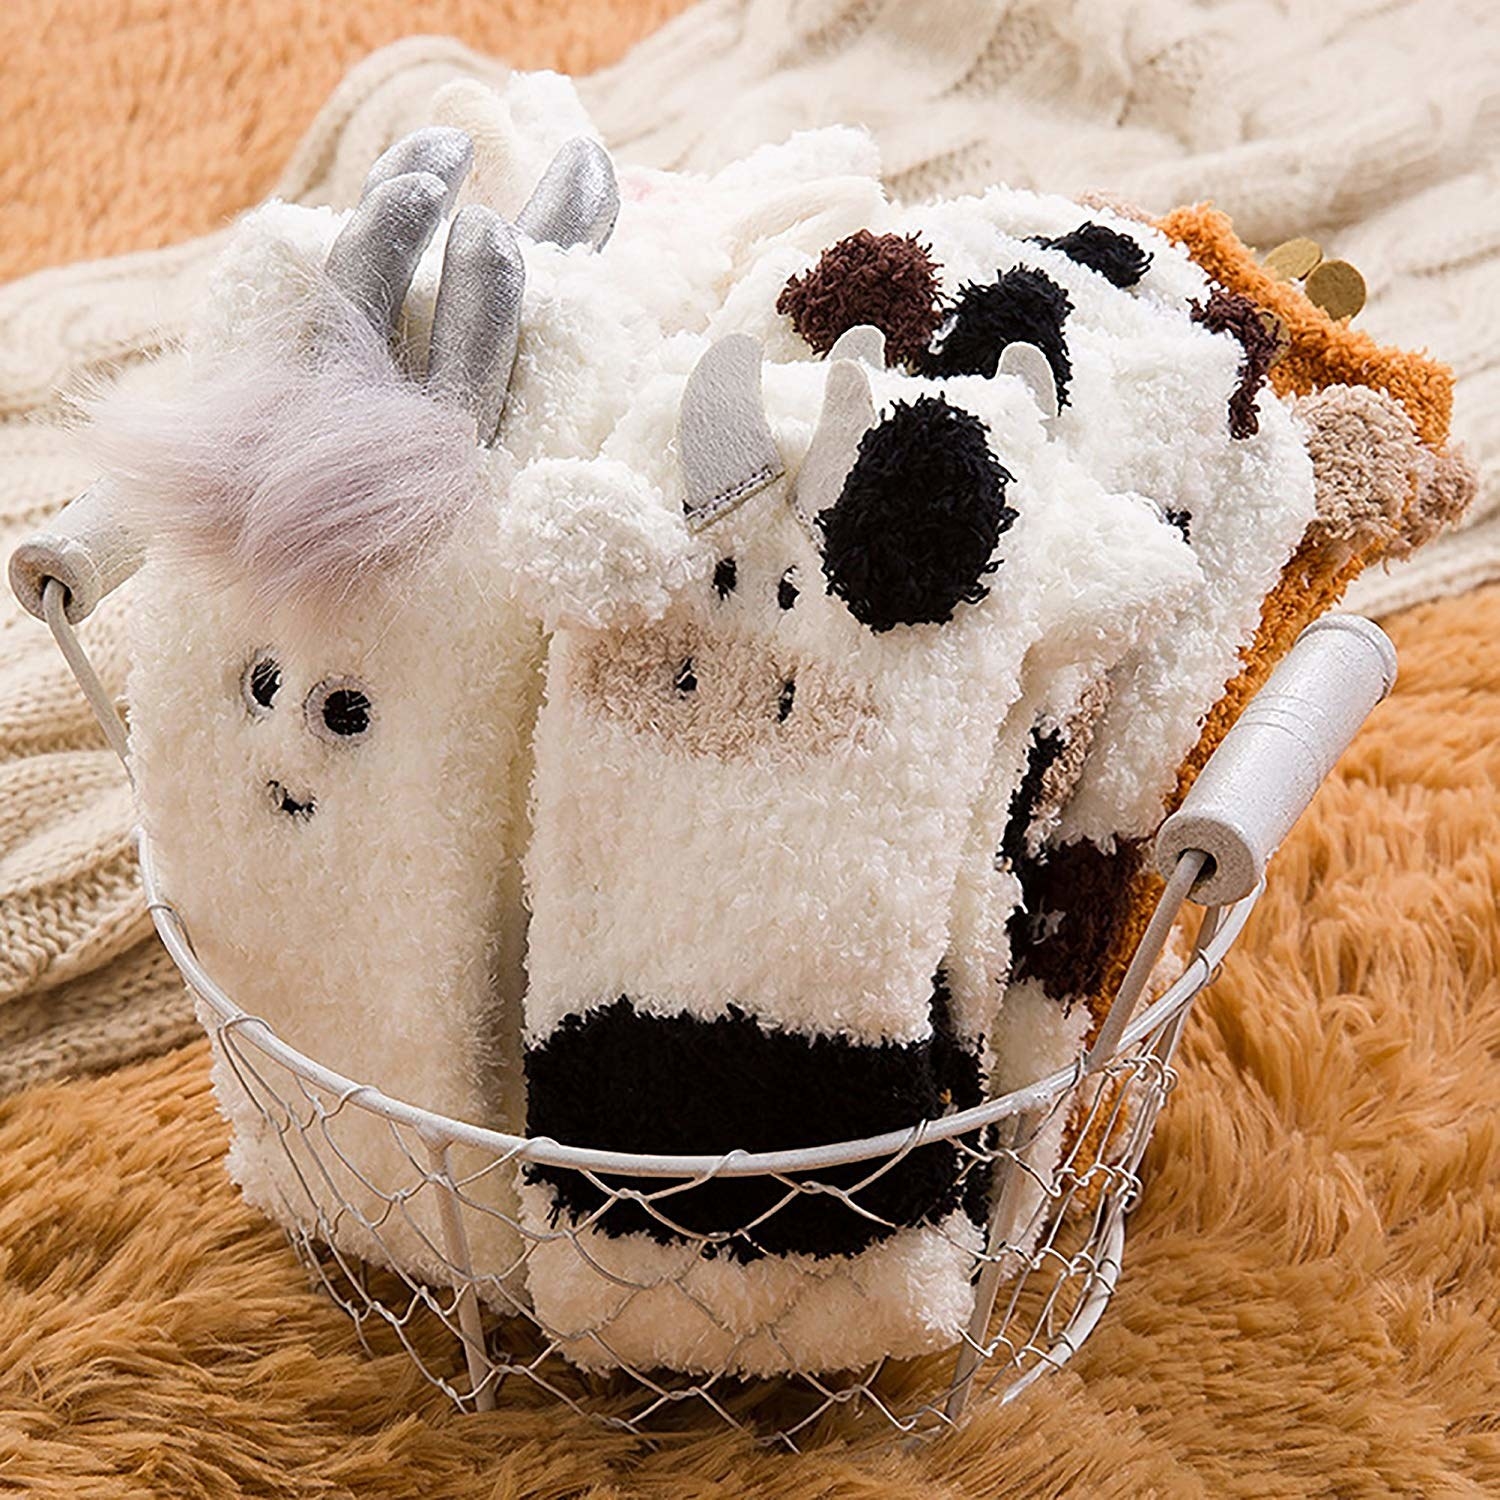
339,710
260,684
726,575
1183,521
787,590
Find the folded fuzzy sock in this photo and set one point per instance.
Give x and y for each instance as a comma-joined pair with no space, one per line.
780,661
1161,342
1382,478
328,701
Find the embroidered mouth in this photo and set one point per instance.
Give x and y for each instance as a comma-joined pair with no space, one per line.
283,801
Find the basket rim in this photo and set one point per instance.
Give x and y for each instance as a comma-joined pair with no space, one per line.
1221,926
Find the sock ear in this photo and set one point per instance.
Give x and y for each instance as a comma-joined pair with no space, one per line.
476,320
848,414
862,342
915,525
577,201
1027,363
723,439
590,544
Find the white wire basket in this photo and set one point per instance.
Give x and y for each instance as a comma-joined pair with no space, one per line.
1054,1247
1052,1260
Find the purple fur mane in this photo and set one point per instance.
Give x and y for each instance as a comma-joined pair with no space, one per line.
305,466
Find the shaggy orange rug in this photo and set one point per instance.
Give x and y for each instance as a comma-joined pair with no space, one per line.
1311,1286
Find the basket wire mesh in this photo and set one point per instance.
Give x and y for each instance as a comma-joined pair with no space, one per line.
1049,1266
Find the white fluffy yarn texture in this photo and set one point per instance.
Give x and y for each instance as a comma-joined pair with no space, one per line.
367,934
812,890
591,546
654,1305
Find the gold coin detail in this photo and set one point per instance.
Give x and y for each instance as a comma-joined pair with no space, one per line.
1293,259
1337,288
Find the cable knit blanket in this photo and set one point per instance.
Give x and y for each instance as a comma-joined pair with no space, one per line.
1355,122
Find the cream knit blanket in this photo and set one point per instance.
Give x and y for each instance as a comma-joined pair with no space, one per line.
1372,126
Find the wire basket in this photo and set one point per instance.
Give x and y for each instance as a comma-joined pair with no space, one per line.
1050,1265
1060,1159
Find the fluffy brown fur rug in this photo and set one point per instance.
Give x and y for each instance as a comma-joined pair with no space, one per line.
1311,1287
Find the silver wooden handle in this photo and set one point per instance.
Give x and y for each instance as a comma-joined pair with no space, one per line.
86,548
1264,773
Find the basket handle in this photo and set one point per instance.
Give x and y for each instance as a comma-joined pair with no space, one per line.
1260,779
86,548
1257,783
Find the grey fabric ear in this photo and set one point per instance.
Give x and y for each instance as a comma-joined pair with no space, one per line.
577,201
376,253
446,153
863,342
476,322
723,439
848,413
1028,363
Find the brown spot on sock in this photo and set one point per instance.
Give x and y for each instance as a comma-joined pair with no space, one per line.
1227,312
887,280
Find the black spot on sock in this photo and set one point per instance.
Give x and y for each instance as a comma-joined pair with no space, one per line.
1040,758
686,679
785,701
1115,256
1074,899
916,524
787,590
627,1081
957,1060
726,576
1022,306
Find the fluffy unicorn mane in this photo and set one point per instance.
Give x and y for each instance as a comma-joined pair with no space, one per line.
306,465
